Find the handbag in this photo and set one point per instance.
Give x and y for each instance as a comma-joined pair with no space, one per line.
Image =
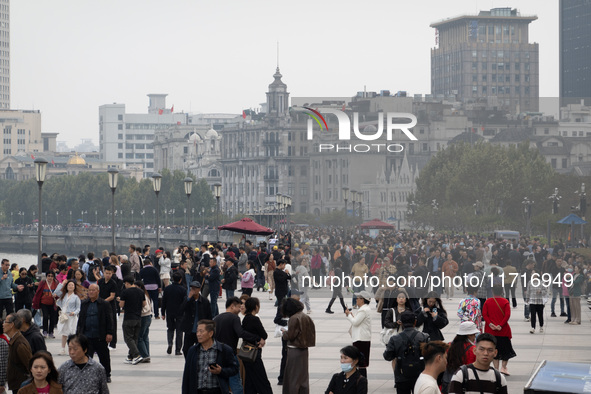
386,334
63,317
248,352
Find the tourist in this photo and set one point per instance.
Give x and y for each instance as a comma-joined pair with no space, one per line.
461,351
256,377
435,359
349,380
19,352
194,308
361,328
132,300
81,374
496,314
69,303
432,317
7,285
108,289
393,315
575,291
24,299
45,300
247,279
537,297
44,375
172,300
31,331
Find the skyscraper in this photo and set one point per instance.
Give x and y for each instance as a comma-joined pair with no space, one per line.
575,48
487,58
4,54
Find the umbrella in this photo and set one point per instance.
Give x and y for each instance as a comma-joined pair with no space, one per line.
571,219
247,226
377,224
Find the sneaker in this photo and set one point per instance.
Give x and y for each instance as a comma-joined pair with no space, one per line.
532,330
329,311
127,360
137,360
63,352
541,329
563,314
553,314
178,353
526,319
52,336
108,379
145,360
169,349
309,311
44,334
566,322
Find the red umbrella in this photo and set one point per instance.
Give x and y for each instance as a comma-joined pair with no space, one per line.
247,226
377,224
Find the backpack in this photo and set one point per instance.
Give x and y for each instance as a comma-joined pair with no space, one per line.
91,266
410,363
464,369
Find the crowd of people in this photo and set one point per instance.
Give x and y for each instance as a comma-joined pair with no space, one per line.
83,299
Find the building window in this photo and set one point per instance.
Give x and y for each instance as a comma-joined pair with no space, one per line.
120,146
119,136
484,90
483,77
517,78
119,127
120,155
553,163
546,130
119,117
484,66
304,171
564,163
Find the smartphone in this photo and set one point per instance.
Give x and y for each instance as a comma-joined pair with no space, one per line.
213,365
434,310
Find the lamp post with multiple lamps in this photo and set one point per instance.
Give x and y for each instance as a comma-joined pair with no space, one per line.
217,192
113,178
40,172
353,201
527,203
157,184
188,189
345,197
360,201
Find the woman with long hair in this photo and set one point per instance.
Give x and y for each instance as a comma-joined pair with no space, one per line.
69,303
256,376
433,317
460,351
536,296
392,319
44,375
32,273
117,265
575,292
496,313
143,343
45,300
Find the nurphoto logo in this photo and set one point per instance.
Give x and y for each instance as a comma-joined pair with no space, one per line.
393,120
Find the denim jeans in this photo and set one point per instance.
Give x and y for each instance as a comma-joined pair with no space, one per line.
236,382
556,292
143,342
229,293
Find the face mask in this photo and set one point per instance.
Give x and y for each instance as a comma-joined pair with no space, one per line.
346,367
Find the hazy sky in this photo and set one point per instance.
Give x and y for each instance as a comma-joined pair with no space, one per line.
70,56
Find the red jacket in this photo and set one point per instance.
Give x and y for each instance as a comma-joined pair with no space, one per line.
497,310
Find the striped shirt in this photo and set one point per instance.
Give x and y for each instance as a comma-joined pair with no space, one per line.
486,382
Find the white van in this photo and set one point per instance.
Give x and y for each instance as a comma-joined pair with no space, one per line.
506,234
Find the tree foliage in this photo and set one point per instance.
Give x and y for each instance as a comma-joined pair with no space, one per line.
90,193
482,186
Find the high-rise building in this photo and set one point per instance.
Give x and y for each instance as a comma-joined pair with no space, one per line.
575,48
487,58
4,54
127,138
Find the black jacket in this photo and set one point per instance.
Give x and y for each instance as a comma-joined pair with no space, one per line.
35,339
432,327
397,344
105,318
230,278
225,359
188,308
281,279
172,300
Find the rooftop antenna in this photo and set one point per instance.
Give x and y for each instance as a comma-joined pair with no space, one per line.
277,54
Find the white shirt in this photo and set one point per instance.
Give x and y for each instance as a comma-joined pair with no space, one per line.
425,384
361,324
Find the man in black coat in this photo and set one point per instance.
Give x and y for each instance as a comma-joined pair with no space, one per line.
194,308
31,331
281,279
95,321
172,300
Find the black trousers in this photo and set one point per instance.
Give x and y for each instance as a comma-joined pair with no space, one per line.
113,342
337,294
283,359
405,387
49,318
6,305
154,296
100,347
190,340
173,324
536,309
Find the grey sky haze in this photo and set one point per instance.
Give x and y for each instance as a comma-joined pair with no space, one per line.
70,56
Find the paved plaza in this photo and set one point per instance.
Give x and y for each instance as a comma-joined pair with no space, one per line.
559,342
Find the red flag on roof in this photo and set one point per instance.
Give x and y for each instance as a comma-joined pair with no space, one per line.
52,162
32,157
243,114
160,112
172,109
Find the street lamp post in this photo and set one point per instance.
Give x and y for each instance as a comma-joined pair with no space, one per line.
278,200
70,218
157,184
113,178
360,194
57,217
527,210
353,200
217,192
202,218
40,171
131,218
188,189
345,197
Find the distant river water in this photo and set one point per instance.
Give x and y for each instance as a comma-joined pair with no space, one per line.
22,259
